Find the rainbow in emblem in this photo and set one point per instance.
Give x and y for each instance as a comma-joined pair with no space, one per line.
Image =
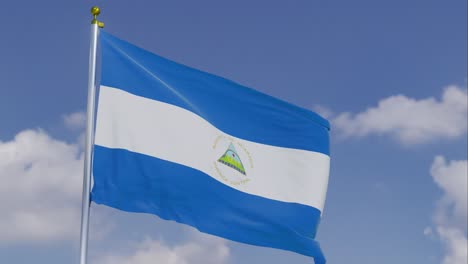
232,159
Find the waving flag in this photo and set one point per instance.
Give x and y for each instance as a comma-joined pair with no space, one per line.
201,150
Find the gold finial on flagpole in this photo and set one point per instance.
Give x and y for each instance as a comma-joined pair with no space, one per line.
95,11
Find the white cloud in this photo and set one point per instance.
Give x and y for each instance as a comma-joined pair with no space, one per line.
452,178
411,120
202,249
456,245
40,188
76,121
450,217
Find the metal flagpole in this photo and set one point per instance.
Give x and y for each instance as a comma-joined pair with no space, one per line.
95,25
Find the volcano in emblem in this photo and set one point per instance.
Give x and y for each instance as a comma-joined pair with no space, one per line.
231,159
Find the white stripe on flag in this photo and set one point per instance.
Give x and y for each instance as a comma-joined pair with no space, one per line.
171,133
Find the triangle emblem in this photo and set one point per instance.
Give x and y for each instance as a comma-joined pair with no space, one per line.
231,159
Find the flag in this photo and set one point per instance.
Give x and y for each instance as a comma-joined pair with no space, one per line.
201,150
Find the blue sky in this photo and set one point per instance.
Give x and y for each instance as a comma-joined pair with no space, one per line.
391,76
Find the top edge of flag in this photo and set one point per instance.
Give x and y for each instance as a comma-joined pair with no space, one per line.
146,74
314,116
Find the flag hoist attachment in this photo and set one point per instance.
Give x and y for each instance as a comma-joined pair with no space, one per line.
89,142
95,11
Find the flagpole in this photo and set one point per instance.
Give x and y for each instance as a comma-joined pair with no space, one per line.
89,142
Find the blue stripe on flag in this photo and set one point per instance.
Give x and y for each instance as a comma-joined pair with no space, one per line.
232,108
176,192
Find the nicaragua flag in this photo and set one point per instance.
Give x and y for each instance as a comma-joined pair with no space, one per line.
200,150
